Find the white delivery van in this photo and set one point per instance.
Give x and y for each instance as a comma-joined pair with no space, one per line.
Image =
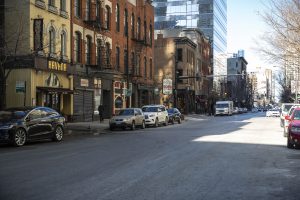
224,108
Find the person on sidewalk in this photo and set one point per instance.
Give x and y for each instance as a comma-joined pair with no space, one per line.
100,110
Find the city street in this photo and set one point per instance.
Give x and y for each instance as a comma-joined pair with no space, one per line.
237,157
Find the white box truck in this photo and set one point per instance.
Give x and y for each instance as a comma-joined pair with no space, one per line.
224,108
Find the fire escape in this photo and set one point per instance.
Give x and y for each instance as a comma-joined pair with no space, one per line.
94,18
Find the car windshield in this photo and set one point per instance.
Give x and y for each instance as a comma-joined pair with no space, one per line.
286,108
297,114
6,116
126,112
150,109
222,105
291,111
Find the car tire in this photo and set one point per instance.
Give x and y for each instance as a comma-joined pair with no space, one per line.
111,128
166,122
172,121
132,126
289,144
156,123
19,137
179,120
58,134
143,125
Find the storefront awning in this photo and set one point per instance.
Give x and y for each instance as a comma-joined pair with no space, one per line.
54,90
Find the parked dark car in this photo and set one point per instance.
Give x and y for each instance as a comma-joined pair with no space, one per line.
293,134
175,115
19,125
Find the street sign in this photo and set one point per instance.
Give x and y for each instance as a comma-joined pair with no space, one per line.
167,86
128,92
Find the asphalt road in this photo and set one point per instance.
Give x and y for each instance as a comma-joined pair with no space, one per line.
237,157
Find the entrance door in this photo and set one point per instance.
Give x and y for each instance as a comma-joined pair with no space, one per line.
107,103
53,101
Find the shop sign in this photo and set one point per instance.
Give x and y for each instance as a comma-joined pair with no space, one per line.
54,65
84,82
167,86
20,86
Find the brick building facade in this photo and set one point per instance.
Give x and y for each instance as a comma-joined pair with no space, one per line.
112,54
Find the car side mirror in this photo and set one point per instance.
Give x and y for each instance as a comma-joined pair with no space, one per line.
287,118
28,119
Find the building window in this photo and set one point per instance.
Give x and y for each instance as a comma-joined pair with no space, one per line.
88,50
88,10
117,58
150,66
77,7
51,41
118,18
38,25
138,29
51,3
77,47
179,54
138,60
98,11
132,62
99,52
126,61
63,5
145,31
132,25
126,22
63,44
107,17
107,52
150,34
145,67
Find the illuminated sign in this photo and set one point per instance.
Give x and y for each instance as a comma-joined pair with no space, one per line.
54,65
167,86
84,82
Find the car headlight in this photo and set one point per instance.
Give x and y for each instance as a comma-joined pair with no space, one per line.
152,115
126,119
295,129
9,126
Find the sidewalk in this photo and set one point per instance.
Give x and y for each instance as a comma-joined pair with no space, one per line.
93,126
96,126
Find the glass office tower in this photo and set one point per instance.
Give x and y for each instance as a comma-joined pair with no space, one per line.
210,16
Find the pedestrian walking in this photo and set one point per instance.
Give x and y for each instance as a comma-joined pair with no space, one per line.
100,110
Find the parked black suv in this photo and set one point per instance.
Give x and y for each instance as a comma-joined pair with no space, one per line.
19,125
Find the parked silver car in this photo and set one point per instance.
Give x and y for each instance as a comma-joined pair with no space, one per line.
128,117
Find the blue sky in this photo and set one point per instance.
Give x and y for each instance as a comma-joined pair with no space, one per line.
244,27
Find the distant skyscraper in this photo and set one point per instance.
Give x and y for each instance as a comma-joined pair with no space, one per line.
210,16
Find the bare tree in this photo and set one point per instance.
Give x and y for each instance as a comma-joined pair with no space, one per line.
281,43
11,42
